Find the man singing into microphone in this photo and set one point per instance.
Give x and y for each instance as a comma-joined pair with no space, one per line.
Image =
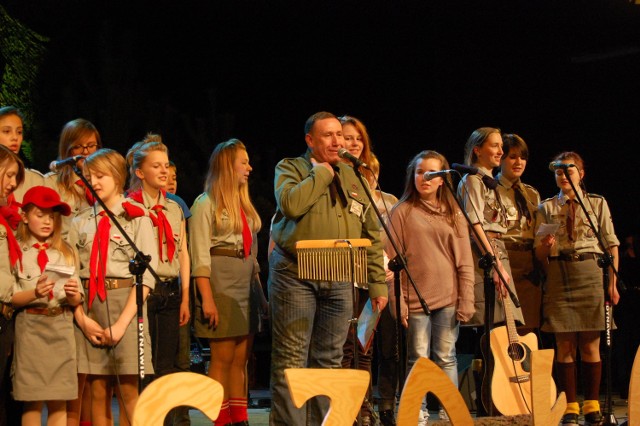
318,197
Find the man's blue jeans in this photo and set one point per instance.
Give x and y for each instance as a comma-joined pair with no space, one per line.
310,320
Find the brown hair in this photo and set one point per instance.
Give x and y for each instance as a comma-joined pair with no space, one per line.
477,138
72,132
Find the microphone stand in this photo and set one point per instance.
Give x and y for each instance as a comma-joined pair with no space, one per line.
397,264
137,267
487,262
605,262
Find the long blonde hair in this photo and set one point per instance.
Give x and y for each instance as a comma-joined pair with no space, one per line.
110,163
222,187
56,241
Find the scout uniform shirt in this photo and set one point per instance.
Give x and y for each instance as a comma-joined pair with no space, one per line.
478,198
555,210
307,210
167,268
520,229
140,230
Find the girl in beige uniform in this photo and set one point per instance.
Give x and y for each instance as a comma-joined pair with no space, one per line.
110,328
11,175
521,203
168,305
44,324
223,244
484,206
573,301
78,137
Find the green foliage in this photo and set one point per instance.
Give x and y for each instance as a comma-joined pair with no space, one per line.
22,51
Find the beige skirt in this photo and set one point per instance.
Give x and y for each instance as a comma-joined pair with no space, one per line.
122,358
44,367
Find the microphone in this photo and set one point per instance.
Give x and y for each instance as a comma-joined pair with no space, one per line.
57,165
488,181
464,169
343,153
555,165
439,173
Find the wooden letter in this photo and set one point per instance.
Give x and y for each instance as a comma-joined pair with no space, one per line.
344,387
174,390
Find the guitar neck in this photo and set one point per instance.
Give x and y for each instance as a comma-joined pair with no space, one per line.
512,332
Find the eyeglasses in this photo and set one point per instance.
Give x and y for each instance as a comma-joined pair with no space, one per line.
77,149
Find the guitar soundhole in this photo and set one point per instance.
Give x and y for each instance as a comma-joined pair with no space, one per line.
516,351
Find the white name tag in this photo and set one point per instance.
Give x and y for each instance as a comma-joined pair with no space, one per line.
356,208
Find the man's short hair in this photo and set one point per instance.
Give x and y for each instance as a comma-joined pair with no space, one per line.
315,117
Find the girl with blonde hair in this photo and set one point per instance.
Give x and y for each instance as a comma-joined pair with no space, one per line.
223,244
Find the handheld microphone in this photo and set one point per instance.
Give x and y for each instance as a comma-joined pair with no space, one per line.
555,165
57,165
439,173
343,153
464,169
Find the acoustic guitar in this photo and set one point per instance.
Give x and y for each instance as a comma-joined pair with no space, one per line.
509,369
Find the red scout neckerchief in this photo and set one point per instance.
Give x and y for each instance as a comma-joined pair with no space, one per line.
161,222
247,239
11,213
87,193
15,254
43,259
98,260
100,251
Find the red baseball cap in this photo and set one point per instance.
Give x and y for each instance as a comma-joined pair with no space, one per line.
45,198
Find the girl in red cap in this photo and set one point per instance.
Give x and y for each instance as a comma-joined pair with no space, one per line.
11,176
47,287
108,316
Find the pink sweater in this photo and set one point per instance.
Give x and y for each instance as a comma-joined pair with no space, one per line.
438,258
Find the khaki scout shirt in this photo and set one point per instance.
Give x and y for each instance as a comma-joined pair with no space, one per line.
140,230
7,279
167,268
555,210
305,212
205,234
519,229
31,178
28,276
481,203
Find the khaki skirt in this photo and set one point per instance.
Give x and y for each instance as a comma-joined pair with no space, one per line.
230,282
122,358
573,298
44,367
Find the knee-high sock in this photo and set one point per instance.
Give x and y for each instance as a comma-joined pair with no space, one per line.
238,408
592,374
224,418
566,375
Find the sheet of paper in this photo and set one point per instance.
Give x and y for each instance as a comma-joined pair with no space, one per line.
547,229
366,325
59,274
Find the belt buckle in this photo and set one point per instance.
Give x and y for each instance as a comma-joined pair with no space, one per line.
576,257
240,253
55,311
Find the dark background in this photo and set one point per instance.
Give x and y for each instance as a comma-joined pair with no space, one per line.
420,74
